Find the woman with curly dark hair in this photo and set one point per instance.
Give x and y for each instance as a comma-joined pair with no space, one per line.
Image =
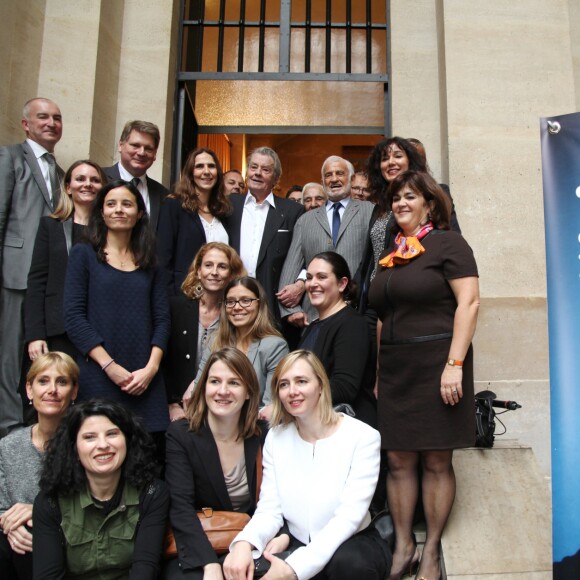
100,512
192,215
339,336
116,307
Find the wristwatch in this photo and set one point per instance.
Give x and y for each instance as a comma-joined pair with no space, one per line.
454,362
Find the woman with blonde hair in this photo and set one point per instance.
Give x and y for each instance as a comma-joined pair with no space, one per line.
320,472
211,458
246,323
192,215
195,315
51,386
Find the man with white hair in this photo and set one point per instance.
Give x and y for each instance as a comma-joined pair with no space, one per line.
340,225
313,196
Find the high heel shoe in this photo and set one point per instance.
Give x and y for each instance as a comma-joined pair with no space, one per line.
410,566
417,577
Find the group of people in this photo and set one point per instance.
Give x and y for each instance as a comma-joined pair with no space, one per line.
217,334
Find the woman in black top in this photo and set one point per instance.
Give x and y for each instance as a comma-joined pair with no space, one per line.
340,335
57,233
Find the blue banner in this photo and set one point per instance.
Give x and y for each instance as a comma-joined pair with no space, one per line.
561,179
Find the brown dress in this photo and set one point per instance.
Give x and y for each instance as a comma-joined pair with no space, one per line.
417,308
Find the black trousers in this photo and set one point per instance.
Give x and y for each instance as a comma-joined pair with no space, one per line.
365,556
14,566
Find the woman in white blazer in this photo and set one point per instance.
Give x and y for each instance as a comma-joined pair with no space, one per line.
320,473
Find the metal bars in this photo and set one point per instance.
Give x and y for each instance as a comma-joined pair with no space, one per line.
193,64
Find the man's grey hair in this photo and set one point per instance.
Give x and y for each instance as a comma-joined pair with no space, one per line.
333,159
28,104
273,155
313,185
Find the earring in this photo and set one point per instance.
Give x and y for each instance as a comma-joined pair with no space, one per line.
72,402
198,290
30,401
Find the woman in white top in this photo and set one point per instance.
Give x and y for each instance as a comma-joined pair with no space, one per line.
192,215
320,473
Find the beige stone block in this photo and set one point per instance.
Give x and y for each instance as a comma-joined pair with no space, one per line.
146,69
501,520
574,8
529,425
106,90
511,340
507,64
21,37
67,73
416,78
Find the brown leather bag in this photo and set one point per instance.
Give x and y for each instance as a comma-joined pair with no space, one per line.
220,527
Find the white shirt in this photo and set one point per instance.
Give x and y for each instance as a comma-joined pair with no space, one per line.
341,210
142,187
39,152
322,490
214,231
252,230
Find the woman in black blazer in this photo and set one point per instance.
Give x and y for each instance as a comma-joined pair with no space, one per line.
340,335
211,459
195,316
43,305
192,215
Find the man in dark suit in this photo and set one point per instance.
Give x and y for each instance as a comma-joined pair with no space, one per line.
29,189
341,225
262,224
138,149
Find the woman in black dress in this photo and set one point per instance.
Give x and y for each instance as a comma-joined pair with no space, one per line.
340,336
426,294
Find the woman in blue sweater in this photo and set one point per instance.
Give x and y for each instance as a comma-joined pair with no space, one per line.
116,307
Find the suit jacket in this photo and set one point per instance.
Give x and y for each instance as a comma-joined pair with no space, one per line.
195,478
24,199
179,365
344,347
180,235
278,233
157,192
312,235
43,305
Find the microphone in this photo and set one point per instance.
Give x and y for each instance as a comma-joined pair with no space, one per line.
509,405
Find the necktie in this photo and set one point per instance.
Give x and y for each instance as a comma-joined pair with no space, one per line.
335,222
136,181
53,177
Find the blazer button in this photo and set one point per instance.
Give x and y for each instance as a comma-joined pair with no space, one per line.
185,332
187,357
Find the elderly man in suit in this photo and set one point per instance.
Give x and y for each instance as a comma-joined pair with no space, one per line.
261,224
341,225
138,150
29,189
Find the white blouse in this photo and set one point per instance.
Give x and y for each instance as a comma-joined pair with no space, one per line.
214,231
323,490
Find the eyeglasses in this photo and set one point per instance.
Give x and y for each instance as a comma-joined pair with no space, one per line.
243,302
360,189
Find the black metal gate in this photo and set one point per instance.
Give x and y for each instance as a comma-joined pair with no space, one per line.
220,19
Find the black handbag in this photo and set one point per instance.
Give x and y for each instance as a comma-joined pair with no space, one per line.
484,419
